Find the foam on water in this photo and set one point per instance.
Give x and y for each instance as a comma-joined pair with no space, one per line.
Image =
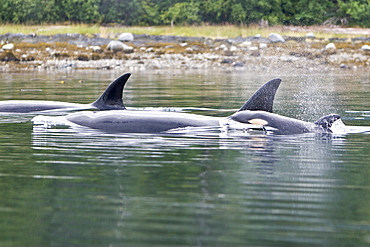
47,121
339,127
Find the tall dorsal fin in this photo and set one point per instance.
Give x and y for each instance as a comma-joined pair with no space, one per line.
111,99
263,99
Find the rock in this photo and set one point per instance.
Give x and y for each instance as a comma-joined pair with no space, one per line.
95,56
226,61
150,49
128,37
115,46
310,35
8,47
60,55
343,66
238,64
233,48
189,50
276,38
8,57
27,58
228,53
246,44
361,39
128,49
263,46
338,39
253,48
330,46
95,48
168,47
330,49
365,48
222,47
83,57
255,54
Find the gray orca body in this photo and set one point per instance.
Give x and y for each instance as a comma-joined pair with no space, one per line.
140,121
30,106
256,112
111,99
284,125
157,122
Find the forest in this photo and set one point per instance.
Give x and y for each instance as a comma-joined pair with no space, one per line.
179,12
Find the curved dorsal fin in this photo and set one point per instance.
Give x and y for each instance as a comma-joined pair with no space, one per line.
111,99
263,99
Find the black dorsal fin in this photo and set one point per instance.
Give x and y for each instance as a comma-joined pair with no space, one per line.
263,99
111,99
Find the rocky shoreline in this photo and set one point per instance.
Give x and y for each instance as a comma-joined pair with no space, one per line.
141,52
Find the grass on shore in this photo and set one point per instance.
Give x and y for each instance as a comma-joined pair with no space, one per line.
211,31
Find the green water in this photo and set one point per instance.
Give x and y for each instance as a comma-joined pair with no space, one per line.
60,187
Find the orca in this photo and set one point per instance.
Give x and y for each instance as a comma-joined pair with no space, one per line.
256,113
158,122
282,125
111,99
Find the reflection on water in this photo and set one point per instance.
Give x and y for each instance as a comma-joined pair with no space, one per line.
61,187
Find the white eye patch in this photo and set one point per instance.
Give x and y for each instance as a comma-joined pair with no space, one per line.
258,121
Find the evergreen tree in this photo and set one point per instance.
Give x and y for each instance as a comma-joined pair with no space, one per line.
182,13
159,12
354,12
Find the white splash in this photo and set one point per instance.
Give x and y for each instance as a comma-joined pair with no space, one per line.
339,127
47,121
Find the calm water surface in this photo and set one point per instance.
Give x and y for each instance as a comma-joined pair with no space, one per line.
64,188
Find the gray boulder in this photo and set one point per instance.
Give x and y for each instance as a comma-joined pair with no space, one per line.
115,46
276,38
126,37
310,35
365,48
8,47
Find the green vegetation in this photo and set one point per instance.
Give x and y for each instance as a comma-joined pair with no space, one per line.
181,12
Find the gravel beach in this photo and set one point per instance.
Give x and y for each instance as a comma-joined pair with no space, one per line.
142,52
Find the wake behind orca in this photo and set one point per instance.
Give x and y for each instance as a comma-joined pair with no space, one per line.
111,99
256,113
